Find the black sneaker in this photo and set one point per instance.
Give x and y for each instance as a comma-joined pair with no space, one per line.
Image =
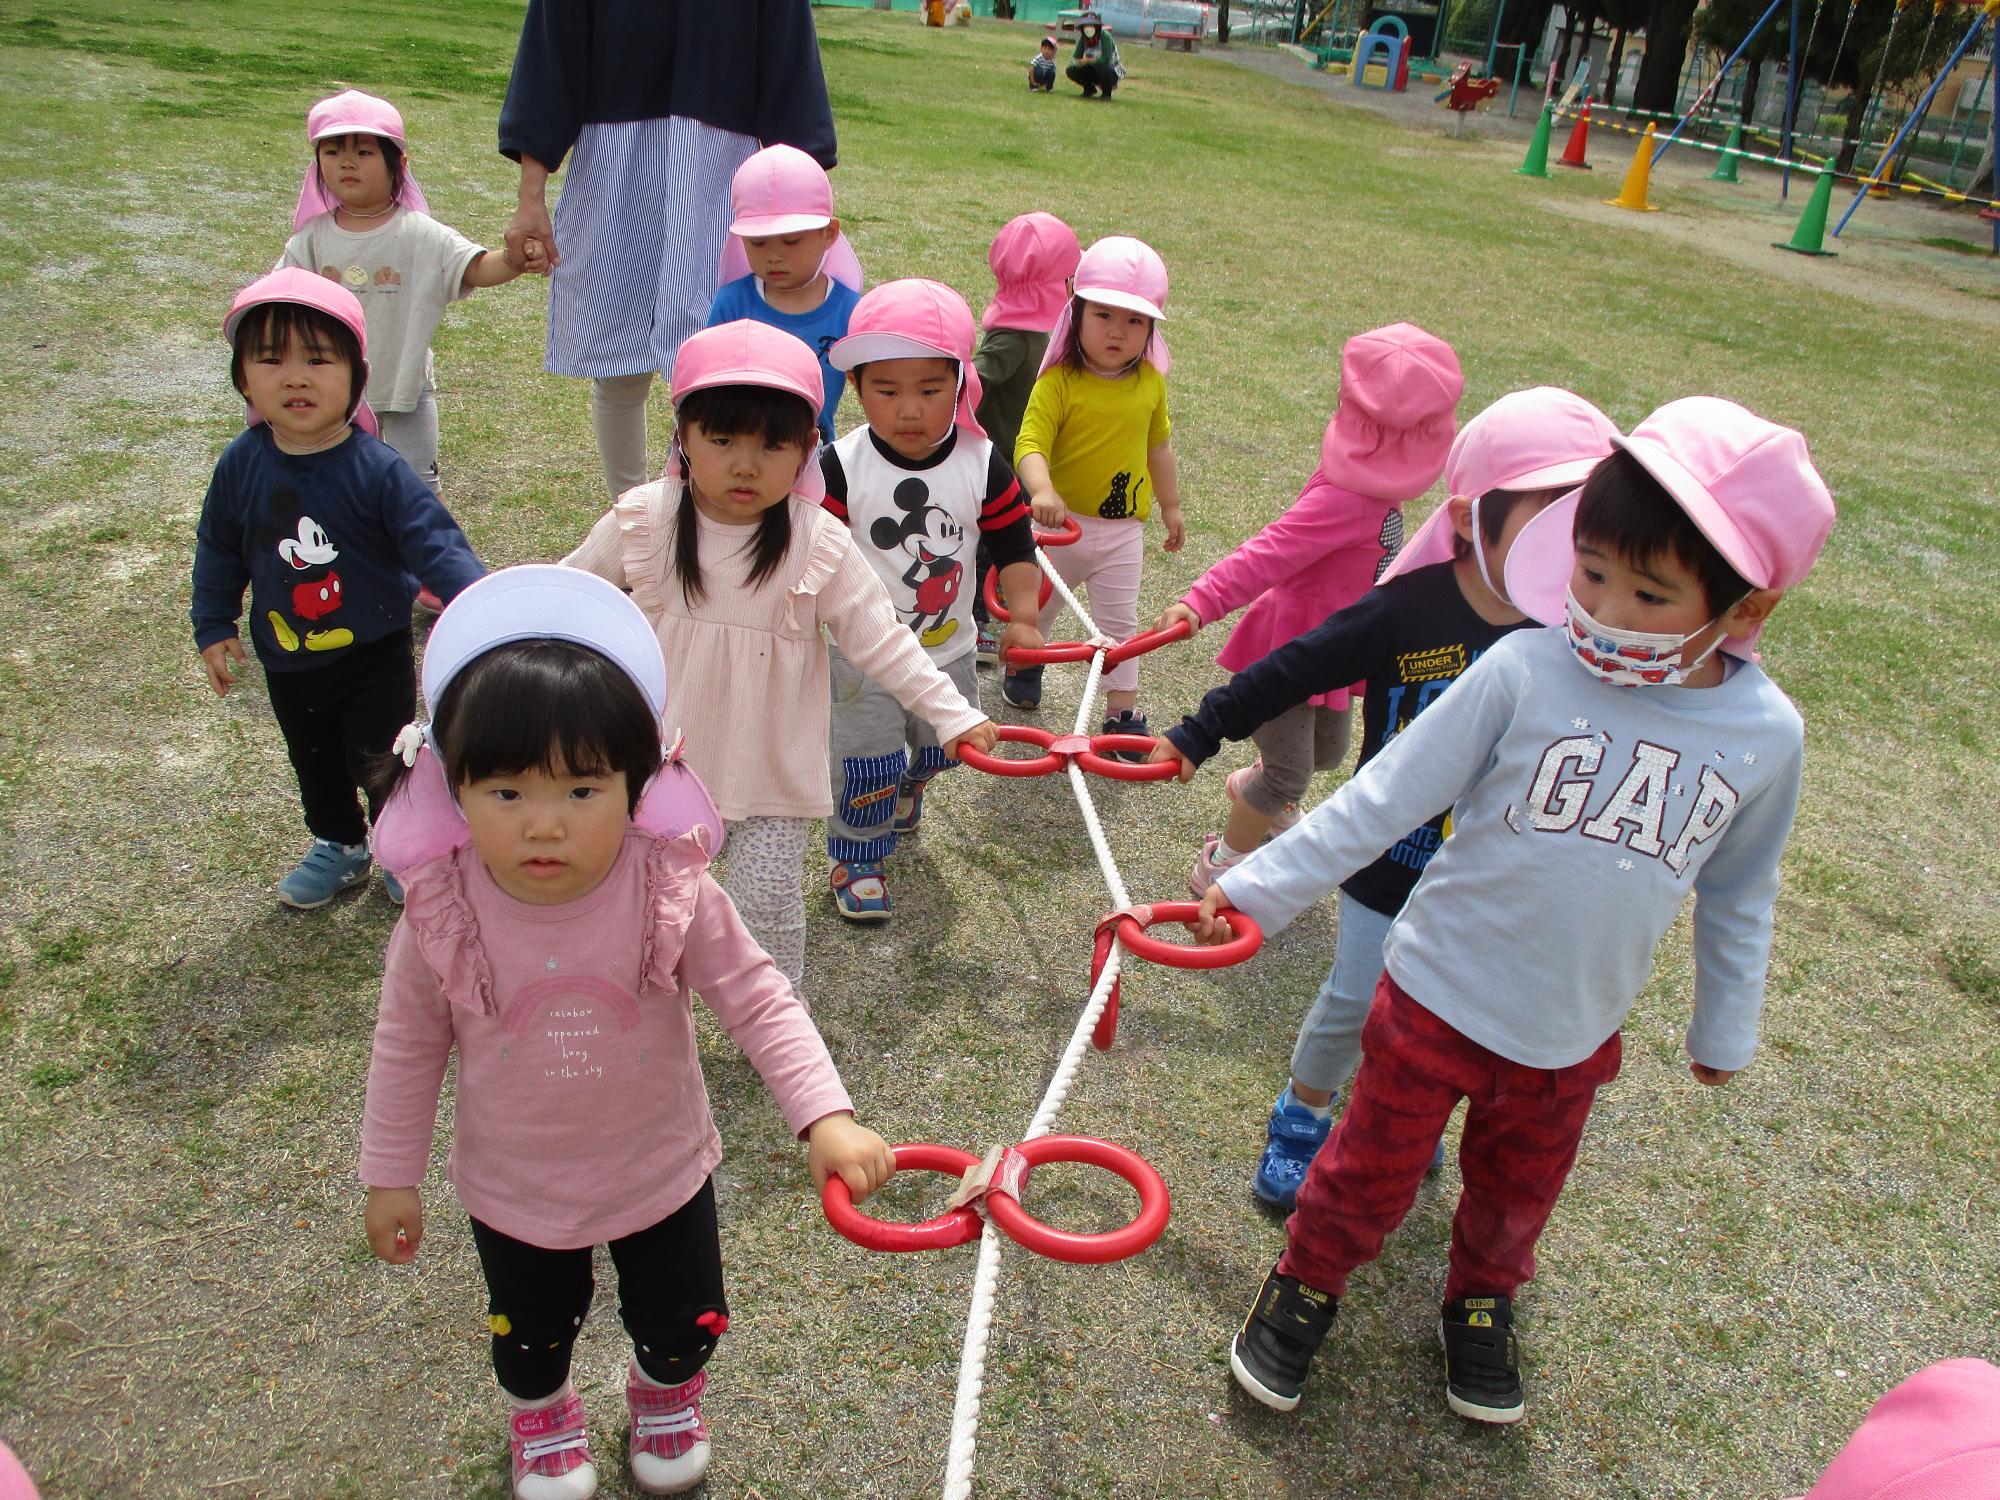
1023,689
1280,1334
1482,1376
1127,721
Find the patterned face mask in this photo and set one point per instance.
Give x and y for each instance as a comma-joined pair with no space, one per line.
1630,658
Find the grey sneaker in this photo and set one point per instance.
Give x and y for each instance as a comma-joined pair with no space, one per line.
326,871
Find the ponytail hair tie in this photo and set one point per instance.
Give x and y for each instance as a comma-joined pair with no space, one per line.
409,740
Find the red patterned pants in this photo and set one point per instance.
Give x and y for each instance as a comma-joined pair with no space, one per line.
1522,1128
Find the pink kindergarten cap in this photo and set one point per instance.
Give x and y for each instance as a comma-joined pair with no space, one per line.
351,113
781,190
1934,1437
1399,390
1543,438
536,601
747,352
1748,485
1118,271
307,289
914,319
1033,257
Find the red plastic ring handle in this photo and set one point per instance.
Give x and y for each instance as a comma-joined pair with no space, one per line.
959,1227
1071,532
1246,938
1096,758
1085,1249
1148,640
1106,1030
995,607
1017,734
1042,656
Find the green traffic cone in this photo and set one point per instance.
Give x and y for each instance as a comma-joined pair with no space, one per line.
1536,163
1725,170
1811,232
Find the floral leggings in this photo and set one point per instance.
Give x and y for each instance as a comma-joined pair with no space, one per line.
765,859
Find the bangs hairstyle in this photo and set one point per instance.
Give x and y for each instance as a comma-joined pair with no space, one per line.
777,417
272,328
1495,506
1628,512
552,706
1072,349
392,156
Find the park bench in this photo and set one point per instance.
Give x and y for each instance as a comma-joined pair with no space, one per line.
1186,39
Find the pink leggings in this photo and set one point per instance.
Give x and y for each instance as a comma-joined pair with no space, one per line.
1107,560
1521,1133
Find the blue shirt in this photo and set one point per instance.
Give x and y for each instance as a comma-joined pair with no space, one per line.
819,328
326,543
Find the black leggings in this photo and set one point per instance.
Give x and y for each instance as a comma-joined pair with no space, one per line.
669,1296
334,717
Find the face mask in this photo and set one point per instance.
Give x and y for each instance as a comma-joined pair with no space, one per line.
1630,658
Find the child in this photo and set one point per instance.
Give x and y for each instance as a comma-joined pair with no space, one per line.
1385,444
1042,68
1095,434
1437,610
362,221
738,567
326,525
787,263
1573,799
560,918
919,486
1033,256
1094,65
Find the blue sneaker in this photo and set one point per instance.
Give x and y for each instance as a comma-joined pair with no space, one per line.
326,871
392,888
1023,689
860,892
1295,1135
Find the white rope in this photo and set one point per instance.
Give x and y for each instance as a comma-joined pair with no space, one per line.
986,1277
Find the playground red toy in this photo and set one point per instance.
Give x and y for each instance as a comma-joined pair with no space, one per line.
1464,93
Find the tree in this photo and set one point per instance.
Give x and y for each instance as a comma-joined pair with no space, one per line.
1659,84
1621,16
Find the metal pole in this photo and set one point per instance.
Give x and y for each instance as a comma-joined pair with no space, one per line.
1994,192
1493,40
1964,45
1721,73
1791,108
1965,132
1520,56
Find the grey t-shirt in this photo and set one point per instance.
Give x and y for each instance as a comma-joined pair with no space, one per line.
405,273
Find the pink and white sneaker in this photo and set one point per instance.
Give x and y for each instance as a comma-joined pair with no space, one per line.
1233,785
669,1438
551,1446
1207,866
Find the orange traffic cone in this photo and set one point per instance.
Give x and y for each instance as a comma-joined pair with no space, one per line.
1578,138
1633,194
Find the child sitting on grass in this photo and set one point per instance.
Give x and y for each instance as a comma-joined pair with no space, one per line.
1598,773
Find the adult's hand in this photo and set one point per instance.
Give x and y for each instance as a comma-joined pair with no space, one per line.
531,221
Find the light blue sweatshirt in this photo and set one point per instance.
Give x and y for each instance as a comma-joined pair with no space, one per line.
1582,815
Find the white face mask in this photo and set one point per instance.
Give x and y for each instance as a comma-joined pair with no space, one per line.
1630,658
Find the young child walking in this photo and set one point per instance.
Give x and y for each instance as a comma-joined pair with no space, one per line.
325,526
786,262
1437,609
1597,774
560,920
920,486
1384,445
362,221
1095,443
737,566
1033,256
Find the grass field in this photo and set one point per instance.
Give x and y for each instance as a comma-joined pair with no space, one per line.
187,1305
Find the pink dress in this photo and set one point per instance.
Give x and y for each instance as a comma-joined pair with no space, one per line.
1319,556
581,1116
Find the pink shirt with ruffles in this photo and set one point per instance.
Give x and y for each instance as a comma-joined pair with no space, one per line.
581,1116
1318,557
746,668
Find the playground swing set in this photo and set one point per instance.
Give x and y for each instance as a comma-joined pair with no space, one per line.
1881,179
